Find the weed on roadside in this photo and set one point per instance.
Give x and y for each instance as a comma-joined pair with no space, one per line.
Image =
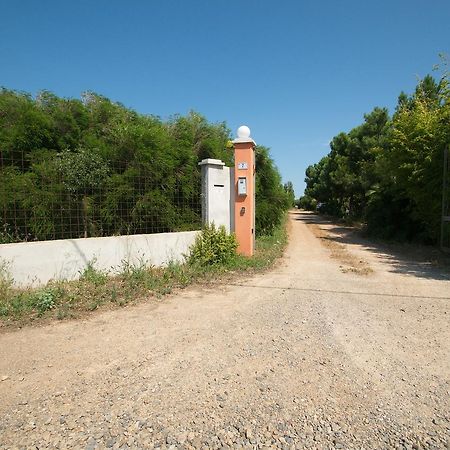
93,275
44,300
133,281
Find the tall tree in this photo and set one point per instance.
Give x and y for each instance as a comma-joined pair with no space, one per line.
388,172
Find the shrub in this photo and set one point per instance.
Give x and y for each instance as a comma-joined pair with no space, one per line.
45,299
213,246
271,198
307,202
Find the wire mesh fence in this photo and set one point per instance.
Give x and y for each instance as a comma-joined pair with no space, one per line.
78,194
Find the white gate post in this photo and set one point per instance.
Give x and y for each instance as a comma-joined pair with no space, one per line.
217,196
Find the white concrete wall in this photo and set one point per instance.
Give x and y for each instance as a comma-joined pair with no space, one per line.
217,198
35,263
232,199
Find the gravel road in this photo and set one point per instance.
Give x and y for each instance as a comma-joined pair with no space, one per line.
312,354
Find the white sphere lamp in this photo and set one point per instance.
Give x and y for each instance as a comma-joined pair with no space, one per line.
243,132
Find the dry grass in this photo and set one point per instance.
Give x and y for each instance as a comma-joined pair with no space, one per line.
96,290
340,252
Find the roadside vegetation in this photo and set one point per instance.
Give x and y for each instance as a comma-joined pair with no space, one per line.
388,171
211,259
74,168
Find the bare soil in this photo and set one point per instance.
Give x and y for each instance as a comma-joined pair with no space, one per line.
343,345
349,261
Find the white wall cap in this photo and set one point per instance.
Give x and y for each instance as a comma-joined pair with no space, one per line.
213,162
243,141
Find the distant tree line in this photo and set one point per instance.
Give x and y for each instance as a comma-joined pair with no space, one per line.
84,167
388,171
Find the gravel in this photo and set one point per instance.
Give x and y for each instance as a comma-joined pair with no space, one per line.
306,356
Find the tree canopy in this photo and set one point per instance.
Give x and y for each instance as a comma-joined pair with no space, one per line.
388,170
92,167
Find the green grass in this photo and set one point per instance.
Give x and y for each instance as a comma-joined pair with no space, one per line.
136,282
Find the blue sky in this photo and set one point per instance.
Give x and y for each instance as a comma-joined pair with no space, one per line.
297,72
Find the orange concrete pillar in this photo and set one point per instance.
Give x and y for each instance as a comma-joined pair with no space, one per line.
244,185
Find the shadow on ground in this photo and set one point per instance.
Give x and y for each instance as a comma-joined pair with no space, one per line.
415,260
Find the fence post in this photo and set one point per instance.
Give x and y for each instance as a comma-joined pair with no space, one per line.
216,193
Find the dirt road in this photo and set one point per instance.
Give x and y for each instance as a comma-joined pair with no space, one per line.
340,346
